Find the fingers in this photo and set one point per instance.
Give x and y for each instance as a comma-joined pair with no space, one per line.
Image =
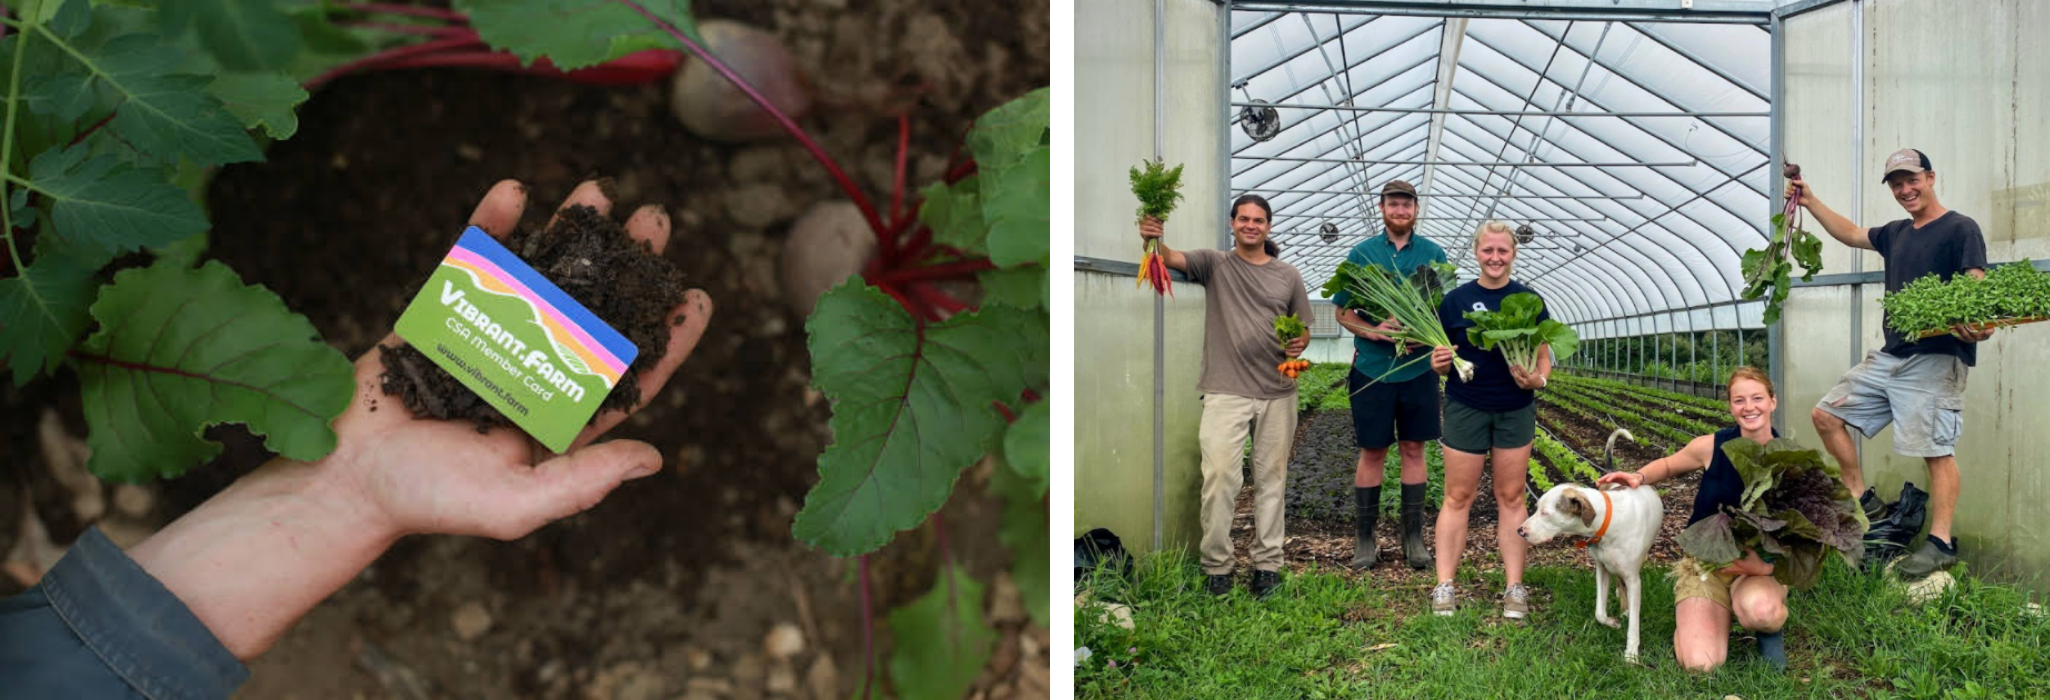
687,324
650,223
573,483
499,212
592,193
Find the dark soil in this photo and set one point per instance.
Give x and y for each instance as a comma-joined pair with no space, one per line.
591,259
670,586
1324,437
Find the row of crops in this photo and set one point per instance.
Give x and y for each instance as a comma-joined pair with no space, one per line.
1576,413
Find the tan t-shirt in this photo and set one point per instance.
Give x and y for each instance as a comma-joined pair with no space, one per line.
1240,348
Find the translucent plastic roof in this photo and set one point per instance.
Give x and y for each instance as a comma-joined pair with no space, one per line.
1646,210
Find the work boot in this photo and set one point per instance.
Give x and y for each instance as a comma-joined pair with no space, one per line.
1264,583
1218,584
1874,507
1367,513
1772,646
1934,555
1413,549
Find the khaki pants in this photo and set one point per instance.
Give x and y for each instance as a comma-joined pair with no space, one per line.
1226,421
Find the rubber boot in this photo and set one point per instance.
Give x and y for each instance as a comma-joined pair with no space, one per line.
1413,549
1367,509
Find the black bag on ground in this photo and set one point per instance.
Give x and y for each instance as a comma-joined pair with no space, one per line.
1891,535
1097,547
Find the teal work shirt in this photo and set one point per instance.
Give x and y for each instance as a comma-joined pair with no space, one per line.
1375,358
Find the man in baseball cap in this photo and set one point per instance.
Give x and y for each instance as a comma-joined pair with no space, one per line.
1402,407
1917,385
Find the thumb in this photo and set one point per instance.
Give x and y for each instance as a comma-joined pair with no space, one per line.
575,482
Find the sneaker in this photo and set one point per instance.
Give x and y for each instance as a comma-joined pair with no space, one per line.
1264,583
1218,584
1927,560
1772,646
1516,602
1443,599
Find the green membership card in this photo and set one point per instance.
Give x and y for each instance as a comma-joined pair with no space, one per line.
516,339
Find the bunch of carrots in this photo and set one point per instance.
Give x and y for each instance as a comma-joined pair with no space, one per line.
1294,367
1158,188
1289,328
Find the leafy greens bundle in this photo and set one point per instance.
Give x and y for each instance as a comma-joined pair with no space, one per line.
1412,302
2010,294
1795,507
1518,333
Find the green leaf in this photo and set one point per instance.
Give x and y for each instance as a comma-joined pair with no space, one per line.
1024,532
1025,287
1710,541
103,202
165,115
942,641
576,33
42,312
244,35
1015,203
1026,445
261,100
913,405
180,350
1007,134
1561,337
955,215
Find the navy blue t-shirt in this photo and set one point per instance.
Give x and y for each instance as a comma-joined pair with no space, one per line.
1949,245
1493,389
1721,484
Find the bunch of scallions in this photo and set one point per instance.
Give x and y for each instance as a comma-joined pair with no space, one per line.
1413,302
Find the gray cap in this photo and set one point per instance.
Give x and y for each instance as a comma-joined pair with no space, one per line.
1905,160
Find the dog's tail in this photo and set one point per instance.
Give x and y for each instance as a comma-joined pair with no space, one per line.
1609,453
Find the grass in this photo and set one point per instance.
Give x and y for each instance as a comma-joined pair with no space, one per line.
1332,635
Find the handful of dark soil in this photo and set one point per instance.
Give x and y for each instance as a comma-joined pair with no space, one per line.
592,259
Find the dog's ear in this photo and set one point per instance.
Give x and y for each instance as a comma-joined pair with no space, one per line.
1578,506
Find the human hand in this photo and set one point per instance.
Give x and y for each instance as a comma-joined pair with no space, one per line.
1150,228
1441,359
416,476
1529,381
1965,332
1750,565
1627,479
1797,187
1295,347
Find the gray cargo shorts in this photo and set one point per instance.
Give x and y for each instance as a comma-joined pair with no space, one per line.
1921,395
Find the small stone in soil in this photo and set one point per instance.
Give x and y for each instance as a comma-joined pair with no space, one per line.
784,641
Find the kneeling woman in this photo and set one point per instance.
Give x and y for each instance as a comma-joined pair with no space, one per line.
1706,599
1494,414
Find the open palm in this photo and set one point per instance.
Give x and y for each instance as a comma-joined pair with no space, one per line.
442,476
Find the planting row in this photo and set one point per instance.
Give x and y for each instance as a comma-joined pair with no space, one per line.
1716,407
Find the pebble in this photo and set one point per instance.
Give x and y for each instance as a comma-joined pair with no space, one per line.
133,501
760,204
784,641
782,680
1006,604
470,621
824,678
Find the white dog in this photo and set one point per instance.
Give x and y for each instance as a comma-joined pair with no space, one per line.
1620,525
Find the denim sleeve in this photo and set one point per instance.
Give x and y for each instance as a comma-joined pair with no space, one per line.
98,626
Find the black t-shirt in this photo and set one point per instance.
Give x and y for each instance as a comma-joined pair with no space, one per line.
1493,389
1947,246
1721,484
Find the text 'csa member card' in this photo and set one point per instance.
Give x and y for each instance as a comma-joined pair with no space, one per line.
516,339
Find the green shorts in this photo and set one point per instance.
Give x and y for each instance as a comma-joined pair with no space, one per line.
1474,431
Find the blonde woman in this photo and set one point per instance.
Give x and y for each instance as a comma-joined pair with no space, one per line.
1705,600
1492,415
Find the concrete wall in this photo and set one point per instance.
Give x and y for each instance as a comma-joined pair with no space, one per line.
1114,348
1966,82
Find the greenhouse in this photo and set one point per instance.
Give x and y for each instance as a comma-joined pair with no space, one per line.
1639,149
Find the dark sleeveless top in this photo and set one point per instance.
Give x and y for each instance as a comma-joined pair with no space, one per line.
1720,484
